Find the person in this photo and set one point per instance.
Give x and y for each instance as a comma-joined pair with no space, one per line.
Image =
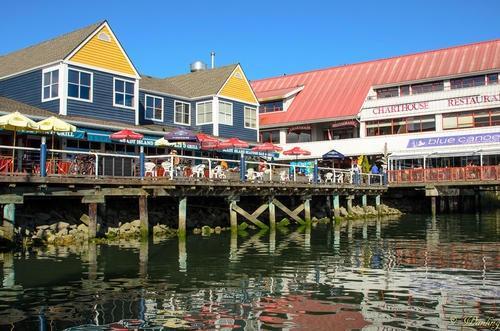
374,169
223,165
355,173
262,165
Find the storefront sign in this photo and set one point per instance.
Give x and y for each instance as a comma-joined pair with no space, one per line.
425,106
467,139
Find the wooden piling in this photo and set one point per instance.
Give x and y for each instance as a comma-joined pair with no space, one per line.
272,216
377,204
433,206
143,216
93,220
143,258
233,217
349,203
9,220
181,230
364,201
182,254
336,206
307,210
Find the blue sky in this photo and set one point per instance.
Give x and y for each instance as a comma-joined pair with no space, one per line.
268,38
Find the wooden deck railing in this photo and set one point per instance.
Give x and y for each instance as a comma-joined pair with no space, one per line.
453,174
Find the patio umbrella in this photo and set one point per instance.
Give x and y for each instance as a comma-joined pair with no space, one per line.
162,142
53,124
16,121
126,134
267,147
181,135
296,151
232,143
333,155
207,141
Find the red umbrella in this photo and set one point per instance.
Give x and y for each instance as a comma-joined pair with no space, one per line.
126,134
232,143
267,147
296,151
207,142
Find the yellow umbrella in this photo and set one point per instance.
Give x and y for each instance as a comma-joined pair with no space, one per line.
162,142
16,121
53,124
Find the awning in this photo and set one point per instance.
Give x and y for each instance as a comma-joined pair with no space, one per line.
449,152
346,123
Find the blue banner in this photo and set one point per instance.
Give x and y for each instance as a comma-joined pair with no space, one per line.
466,139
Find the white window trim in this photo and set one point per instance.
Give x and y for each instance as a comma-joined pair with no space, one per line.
204,123
175,109
58,84
91,94
232,113
256,116
162,107
135,96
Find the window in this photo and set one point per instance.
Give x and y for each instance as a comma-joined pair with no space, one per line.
427,87
298,136
478,118
387,92
270,137
225,113
250,117
204,112
79,85
50,85
270,107
467,82
123,93
401,125
404,90
182,113
154,108
492,79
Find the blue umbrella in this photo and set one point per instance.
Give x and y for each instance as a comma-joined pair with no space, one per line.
333,154
181,135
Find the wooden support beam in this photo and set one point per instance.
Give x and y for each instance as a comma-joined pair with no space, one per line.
293,214
144,215
11,198
93,220
181,230
272,216
9,221
249,217
349,203
307,210
364,201
336,206
96,198
233,217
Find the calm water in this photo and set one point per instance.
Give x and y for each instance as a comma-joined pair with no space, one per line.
407,273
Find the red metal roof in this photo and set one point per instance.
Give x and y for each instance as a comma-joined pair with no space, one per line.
275,94
339,92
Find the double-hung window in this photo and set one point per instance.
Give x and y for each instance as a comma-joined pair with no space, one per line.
50,85
250,117
154,108
204,113
123,93
80,85
225,113
182,113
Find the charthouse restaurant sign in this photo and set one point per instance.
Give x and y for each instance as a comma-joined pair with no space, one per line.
438,104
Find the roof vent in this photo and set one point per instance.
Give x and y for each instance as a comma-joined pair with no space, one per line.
198,66
104,37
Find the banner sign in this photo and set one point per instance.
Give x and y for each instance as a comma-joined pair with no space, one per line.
466,139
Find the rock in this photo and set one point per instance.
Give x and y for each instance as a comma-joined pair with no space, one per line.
62,232
125,227
51,238
314,219
218,229
206,230
136,223
62,225
85,219
72,226
196,231
242,226
53,227
42,227
343,212
27,232
83,228
73,232
283,223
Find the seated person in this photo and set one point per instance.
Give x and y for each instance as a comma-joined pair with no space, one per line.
223,165
262,165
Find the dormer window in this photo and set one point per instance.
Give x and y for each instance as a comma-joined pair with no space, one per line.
269,107
50,84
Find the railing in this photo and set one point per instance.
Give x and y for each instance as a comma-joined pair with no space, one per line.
73,163
456,174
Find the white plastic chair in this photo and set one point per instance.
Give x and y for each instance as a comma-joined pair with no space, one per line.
284,175
167,166
250,174
218,172
150,168
198,171
258,175
329,177
339,178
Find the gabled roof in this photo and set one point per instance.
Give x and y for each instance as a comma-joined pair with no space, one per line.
278,94
44,53
339,92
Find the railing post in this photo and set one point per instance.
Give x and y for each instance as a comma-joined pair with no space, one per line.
141,162
172,170
271,173
315,172
209,168
96,166
242,167
43,157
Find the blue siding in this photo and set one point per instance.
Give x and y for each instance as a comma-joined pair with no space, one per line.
238,128
27,88
102,105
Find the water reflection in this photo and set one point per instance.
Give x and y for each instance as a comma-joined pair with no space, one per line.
408,273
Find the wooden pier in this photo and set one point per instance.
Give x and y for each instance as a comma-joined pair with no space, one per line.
21,188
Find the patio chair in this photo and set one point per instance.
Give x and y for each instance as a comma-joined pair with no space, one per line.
218,172
284,176
167,167
198,171
149,168
339,178
329,177
250,174
258,175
